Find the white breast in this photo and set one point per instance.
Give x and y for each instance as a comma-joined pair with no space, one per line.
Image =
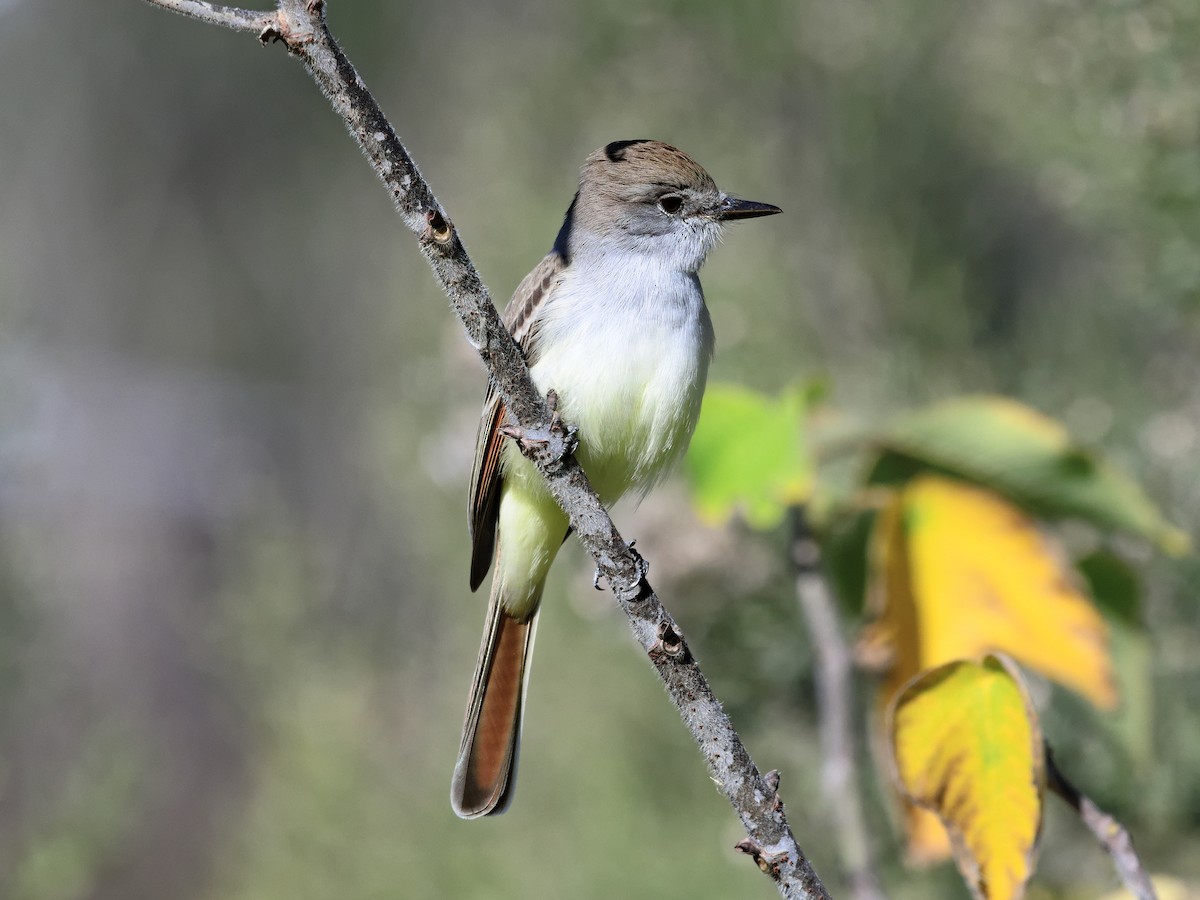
626,344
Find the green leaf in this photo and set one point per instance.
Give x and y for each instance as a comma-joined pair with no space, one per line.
749,455
1024,455
844,548
1114,585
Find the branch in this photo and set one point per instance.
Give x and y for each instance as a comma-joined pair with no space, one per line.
1108,831
835,703
225,16
300,26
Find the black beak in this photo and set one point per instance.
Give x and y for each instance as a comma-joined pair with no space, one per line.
732,208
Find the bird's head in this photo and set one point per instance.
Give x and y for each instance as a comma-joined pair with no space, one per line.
648,197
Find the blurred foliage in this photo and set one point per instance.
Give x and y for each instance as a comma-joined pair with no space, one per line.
749,456
958,571
237,419
953,571
1022,454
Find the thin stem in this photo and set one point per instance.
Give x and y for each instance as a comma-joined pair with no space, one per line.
835,707
1108,831
215,14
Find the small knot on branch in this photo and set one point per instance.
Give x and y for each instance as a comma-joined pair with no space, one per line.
768,863
669,644
292,31
438,228
669,639
772,780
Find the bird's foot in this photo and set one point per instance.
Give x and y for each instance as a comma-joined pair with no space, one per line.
550,442
641,568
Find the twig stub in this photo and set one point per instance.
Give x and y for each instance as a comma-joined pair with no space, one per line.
670,643
438,228
769,864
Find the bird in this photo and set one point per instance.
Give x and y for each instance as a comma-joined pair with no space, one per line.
613,320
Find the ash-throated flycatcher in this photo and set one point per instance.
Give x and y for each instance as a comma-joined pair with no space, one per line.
613,320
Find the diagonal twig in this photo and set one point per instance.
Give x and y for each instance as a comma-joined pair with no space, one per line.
300,26
1108,831
215,14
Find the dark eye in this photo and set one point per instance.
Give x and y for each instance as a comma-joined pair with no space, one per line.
670,204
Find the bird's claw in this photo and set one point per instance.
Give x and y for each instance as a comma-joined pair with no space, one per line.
554,441
639,562
642,567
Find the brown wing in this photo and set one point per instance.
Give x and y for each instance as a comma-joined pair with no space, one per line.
521,318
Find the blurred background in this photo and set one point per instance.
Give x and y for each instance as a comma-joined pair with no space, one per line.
236,419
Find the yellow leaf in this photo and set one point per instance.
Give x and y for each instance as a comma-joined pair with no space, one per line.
959,572
892,643
895,634
928,842
966,746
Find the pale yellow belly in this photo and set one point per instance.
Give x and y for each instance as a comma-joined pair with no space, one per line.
635,415
634,399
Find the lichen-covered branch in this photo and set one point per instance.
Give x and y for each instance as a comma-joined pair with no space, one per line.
1108,831
300,26
215,14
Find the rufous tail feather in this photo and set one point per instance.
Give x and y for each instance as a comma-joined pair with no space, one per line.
486,771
